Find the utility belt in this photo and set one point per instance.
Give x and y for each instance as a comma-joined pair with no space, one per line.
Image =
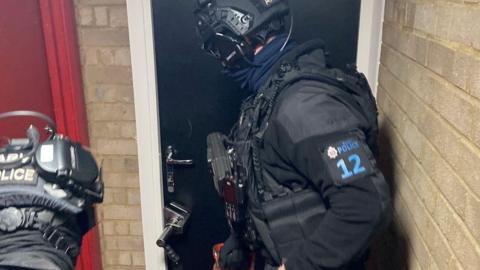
45,221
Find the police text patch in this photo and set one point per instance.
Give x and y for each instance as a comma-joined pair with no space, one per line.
346,160
22,176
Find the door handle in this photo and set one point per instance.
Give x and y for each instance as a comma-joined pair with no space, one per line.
171,163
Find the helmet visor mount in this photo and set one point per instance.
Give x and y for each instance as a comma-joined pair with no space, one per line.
227,49
222,30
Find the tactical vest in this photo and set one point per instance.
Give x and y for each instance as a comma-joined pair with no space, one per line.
44,186
50,178
271,205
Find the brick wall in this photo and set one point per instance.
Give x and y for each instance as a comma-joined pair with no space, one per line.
106,69
429,97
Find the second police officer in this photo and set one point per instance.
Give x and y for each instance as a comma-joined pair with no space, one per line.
306,140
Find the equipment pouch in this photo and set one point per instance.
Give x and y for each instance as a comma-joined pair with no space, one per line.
292,218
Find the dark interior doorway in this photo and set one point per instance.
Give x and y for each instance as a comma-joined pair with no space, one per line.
195,99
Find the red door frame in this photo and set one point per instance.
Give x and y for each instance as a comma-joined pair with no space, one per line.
59,29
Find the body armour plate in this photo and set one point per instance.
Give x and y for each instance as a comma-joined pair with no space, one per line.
28,185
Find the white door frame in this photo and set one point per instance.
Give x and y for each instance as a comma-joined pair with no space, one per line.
370,39
144,73
142,48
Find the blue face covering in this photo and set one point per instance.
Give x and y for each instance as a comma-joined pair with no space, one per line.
254,76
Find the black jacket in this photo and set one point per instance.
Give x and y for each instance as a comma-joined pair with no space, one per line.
316,141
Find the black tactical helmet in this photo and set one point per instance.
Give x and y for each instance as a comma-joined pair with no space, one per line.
231,29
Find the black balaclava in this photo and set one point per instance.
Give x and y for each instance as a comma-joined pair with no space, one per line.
252,77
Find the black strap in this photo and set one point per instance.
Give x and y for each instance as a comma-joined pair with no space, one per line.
48,223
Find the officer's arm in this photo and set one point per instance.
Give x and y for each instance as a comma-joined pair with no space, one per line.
325,145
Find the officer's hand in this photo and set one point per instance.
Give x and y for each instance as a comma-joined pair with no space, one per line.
282,267
232,255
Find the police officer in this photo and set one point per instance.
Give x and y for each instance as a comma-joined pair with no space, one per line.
47,189
305,140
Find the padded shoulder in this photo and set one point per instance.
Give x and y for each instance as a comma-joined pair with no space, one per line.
309,109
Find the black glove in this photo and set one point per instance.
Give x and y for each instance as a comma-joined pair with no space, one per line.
232,255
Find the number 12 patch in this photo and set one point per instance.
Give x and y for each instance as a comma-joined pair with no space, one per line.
347,160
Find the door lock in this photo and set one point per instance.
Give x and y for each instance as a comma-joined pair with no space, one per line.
171,163
176,216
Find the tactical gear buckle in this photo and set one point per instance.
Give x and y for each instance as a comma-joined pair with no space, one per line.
10,219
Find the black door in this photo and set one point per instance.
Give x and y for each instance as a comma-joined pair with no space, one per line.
195,99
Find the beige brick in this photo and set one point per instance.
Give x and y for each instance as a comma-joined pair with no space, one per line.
100,2
115,196
117,146
445,178
460,156
115,227
122,57
476,127
413,139
119,212
410,12
138,258
463,28
136,228
101,16
104,37
129,130
126,180
117,130
117,258
450,102
89,56
456,108
118,16
464,247
124,243
85,16
111,112
440,58
389,11
472,216
133,196
417,247
462,65
438,170
440,248
425,17
121,164
432,127
399,9
106,130
108,75
106,56
107,93
473,84
444,21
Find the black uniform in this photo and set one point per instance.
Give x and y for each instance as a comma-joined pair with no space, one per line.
46,191
315,194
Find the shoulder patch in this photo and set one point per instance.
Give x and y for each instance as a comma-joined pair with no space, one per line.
347,160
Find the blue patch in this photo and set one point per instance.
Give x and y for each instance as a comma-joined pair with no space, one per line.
347,160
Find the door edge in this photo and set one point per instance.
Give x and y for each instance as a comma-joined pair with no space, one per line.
370,39
142,49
